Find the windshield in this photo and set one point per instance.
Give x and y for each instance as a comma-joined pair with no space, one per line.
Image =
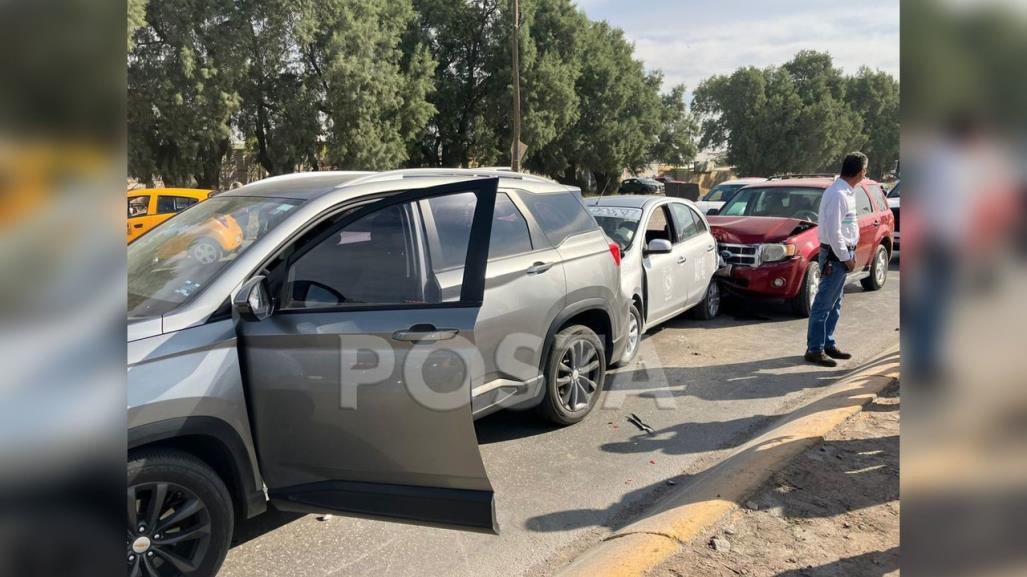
177,259
722,192
619,223
779,201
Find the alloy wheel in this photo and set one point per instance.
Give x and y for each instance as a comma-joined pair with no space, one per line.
713,299
169,530
577,374
814,284
634,336
882,266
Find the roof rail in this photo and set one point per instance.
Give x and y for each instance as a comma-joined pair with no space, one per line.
315,174
441,172
802,175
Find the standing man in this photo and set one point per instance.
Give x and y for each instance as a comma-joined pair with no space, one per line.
838,230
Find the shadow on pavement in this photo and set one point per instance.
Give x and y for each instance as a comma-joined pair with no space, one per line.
249,529
508,425
874,564
685,437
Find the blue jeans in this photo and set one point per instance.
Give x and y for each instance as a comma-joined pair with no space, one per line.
827,305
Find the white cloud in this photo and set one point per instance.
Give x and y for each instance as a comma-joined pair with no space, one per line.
690,53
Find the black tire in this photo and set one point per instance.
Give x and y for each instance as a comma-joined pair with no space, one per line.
630,352
555,403
189,486
709,307
803,302
878,270
206,250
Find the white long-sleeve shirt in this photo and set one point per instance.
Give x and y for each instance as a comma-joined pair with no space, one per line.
837,224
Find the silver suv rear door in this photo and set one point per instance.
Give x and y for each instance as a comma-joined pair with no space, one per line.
359,385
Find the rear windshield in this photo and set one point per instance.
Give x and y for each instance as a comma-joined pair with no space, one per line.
619,223
559,214
778,201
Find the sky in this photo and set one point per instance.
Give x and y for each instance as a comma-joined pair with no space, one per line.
691,40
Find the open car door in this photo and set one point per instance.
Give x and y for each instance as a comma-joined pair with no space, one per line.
359,381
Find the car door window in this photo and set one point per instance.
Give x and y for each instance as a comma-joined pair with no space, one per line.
560,214
683,222
172,204
452,216
374,260
880,199
863,205
138,206
658,226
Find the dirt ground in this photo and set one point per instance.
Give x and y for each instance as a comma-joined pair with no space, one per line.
834,511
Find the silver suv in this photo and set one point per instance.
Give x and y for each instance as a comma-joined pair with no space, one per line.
333,360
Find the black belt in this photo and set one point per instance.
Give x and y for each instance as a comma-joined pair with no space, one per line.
830,251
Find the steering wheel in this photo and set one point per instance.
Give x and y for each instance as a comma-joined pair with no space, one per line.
809,215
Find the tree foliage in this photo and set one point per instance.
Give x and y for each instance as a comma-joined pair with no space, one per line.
799,117
376,84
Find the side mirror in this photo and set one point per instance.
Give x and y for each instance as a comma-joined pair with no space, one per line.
252,302
659,245
713,212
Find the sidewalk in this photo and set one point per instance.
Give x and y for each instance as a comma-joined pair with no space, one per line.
833,511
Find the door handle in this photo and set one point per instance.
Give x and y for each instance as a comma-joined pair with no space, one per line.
877,223
682,259
710,247
424,333
140,225
539,267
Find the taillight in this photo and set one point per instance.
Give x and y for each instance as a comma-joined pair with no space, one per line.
615,251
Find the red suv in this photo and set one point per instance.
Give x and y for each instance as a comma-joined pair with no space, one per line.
767,236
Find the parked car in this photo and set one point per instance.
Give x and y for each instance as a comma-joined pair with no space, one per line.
767,236
723,192
148,207
668,261
894,196
286,364
641,185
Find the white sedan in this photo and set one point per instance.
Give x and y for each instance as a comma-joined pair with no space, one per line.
669,259
723,192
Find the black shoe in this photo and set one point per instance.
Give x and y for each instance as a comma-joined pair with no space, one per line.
834,353
819,358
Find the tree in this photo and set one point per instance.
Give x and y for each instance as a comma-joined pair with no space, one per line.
676,141
183,77
376,97
619,114
792,118
463,39
874,95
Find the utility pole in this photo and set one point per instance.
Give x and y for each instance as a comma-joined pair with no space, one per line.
515,147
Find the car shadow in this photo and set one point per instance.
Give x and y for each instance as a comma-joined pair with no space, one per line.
249,529
871,564
511,424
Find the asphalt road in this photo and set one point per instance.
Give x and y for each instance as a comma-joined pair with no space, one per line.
705,387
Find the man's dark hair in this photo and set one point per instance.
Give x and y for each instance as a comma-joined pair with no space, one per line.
854,162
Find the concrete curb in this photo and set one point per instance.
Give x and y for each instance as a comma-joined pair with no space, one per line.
685,513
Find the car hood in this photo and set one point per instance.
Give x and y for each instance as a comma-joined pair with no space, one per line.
756,229
141,328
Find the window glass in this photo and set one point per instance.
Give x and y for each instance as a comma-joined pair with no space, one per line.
138,206
879,196
777,201
683,221
373,260
178,258
658,226
618,222
722,192
167,204
453,215
863,205
700,224
559,214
